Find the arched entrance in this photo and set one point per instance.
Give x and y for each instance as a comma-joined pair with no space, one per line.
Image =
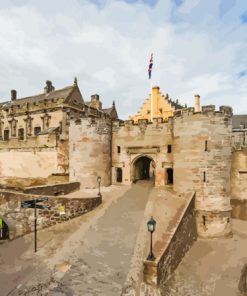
4,229
143,169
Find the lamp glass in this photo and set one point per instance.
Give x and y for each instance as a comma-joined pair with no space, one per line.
151,225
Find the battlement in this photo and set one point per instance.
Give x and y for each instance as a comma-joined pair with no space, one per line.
206,110
156,120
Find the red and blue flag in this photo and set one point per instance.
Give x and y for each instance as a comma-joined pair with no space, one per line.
150,66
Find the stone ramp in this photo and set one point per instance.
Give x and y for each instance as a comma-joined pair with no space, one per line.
93,260
167,208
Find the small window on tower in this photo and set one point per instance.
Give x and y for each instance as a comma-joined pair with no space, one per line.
148,111
206,145
204,176
161,110
118,149
169,148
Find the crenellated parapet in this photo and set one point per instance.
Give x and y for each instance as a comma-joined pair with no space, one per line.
208,110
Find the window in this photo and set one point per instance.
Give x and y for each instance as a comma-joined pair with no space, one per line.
161,110
6,135
148,111
169,148
21,133
37,130
204,176
118,149
204,220
206,145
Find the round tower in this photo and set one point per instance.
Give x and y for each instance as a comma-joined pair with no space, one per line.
202,163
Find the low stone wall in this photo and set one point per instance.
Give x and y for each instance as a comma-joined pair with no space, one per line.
177,242
57,189
21,221
239,208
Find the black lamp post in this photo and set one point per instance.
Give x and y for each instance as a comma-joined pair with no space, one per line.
151,228
99,180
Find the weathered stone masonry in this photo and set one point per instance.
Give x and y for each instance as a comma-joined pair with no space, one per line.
20,221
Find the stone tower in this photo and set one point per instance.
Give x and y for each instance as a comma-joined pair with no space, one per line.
202,163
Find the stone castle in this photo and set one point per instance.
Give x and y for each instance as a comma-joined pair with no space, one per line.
198,149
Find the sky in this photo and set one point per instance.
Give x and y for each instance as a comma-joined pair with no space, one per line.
199,47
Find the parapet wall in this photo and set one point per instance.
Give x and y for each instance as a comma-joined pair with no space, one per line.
205,110
21,221
178,240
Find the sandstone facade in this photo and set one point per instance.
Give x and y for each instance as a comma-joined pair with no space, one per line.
186,149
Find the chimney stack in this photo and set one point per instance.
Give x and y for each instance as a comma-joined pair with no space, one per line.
49,87
197,103
13,95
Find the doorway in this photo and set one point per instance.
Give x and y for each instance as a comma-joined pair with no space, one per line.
119,175
169,176
4,230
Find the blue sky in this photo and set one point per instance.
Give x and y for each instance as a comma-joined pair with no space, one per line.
199,47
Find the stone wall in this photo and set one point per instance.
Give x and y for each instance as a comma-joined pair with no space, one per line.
202,162
176,244
29,163
141,139
239,184
239,174
57,189
21,221
90,151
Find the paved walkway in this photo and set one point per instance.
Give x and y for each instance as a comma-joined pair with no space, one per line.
89,255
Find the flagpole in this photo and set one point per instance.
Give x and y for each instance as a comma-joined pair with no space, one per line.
150,77
151,86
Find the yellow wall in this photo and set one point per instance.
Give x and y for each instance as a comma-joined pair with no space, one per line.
161,107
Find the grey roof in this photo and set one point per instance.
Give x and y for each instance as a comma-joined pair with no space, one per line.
60,93
50,130
108,110
238,120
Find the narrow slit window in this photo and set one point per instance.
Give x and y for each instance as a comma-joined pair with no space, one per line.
204,176
118,149
204,220
206,145
169,148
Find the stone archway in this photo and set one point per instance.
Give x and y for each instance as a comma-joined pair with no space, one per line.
143,168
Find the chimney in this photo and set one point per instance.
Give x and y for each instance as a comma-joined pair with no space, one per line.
49,87
95,102
13,95
94,98
197,103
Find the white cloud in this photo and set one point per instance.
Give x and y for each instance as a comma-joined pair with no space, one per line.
196,50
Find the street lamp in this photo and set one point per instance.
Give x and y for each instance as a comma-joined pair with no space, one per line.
99,180
151,228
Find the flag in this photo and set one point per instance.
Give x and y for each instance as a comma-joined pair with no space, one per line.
150,66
